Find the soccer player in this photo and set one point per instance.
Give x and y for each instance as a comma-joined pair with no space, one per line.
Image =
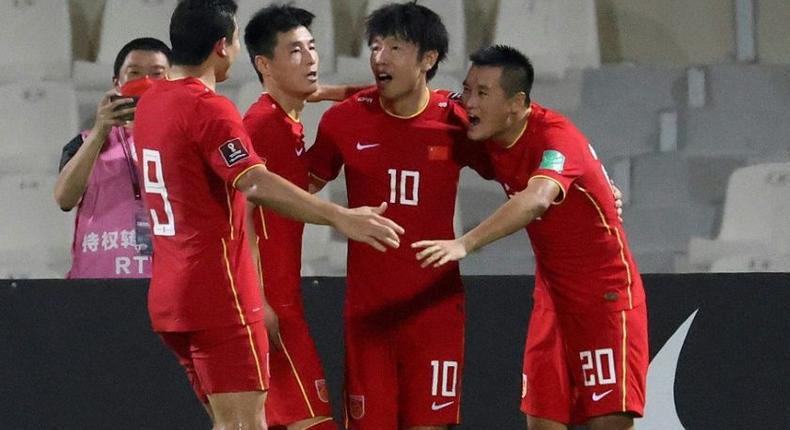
586,355
197,166
282,50
401,142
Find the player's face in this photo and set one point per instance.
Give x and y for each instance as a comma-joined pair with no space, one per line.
139,63
232,49
295,63
489,108
397,67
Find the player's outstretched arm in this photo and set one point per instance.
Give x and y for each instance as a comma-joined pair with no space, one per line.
512,216
363,224
335,92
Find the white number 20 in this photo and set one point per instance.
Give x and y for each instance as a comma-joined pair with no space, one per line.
603,364
157,186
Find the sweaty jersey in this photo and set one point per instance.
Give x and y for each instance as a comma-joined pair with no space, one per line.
279,140
582,255
411,163
192,147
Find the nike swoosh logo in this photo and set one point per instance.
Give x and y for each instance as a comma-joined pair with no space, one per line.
299,152
435,407
661,412
363,146
596,397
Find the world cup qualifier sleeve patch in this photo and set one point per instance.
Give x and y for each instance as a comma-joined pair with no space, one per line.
552,160
233,151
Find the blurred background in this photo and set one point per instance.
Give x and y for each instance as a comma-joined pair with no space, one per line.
687,103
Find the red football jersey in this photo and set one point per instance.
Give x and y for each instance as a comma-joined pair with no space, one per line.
279,140
582,255
192,147
411,163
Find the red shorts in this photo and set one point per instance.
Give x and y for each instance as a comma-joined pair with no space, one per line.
580,366
298,386
223,360
405,372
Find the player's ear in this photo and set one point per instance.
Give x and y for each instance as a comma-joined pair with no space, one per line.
221,47
518,101
429,60
262,65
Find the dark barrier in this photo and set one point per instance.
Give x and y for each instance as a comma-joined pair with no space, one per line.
80,355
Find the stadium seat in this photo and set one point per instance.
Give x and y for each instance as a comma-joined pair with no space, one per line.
755,217
36,120
357,69
36,233
35,39
557,34
752,263
122,21
323,30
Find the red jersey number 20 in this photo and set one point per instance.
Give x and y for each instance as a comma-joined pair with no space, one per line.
166,227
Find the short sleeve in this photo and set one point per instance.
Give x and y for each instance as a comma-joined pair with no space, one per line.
70,150
324,157
562,159
224,143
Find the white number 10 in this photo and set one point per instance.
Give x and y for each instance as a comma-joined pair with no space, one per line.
157,186
406,176
445,377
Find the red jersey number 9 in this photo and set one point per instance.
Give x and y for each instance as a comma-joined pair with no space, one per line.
157,186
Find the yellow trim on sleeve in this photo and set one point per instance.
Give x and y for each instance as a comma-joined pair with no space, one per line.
564,192
236,179
230,212
263,224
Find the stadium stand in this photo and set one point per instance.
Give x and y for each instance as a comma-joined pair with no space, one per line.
48,54
122,21
755,218
36,119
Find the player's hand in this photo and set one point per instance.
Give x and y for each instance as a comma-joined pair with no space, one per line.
618,200
439,252
107,116
365,224
272,323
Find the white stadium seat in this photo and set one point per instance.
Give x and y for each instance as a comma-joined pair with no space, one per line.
36,120
755,217
36,233
557,35
35,39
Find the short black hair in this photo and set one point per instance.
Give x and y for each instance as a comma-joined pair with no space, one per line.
260,34
196,25
140,44
517,72
413,23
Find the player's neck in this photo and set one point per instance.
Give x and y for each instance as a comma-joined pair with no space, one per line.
201,72
517,128
290,103
409,105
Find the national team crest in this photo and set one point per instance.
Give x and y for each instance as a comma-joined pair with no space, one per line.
356,406
320,388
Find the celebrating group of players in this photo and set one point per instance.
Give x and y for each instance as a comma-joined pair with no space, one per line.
228,197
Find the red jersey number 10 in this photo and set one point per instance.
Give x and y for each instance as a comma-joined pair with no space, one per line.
404,187
157,186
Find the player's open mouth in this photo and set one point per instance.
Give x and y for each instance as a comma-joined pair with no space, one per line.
383,78
473,120
312,76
